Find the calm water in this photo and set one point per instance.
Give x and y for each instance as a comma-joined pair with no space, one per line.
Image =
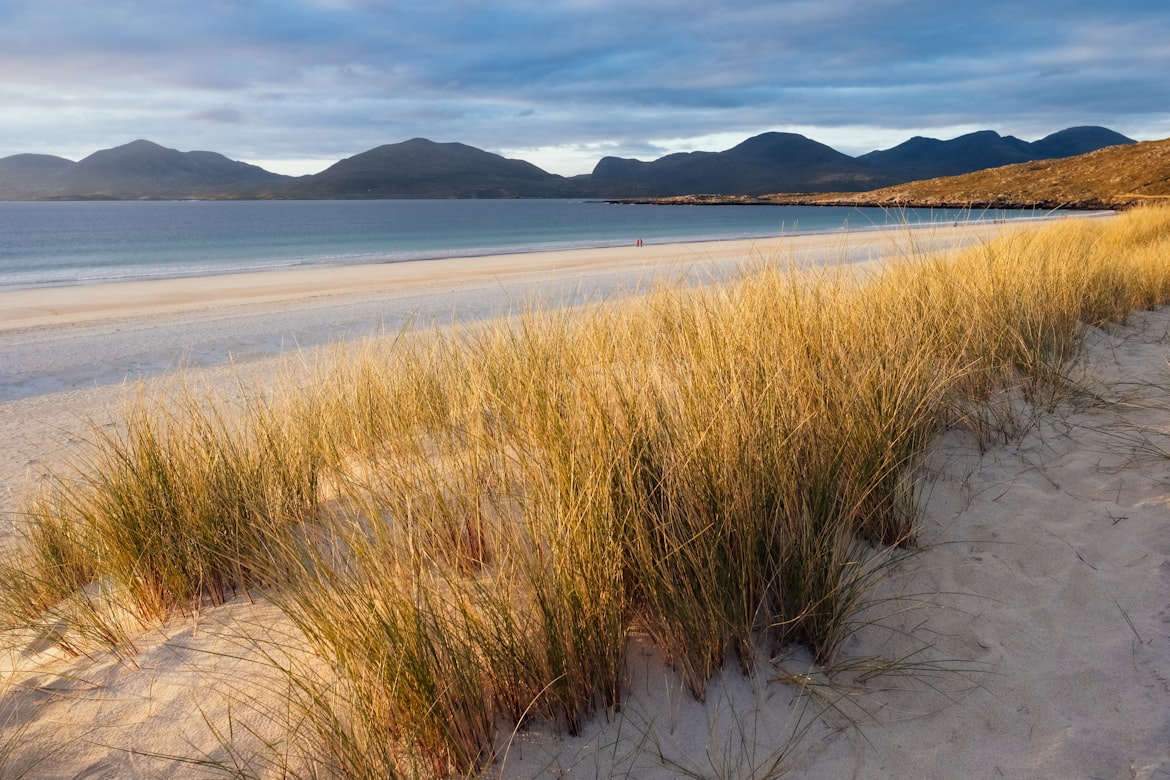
45,244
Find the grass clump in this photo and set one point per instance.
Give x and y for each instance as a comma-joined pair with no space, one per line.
172,508
467,526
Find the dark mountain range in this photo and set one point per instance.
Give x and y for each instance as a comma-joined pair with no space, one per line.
22,175
419,168
784,162
767,163
33,165
929,158
1077,141
140,165
140,169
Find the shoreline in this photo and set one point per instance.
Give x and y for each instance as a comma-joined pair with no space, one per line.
73,304
68,338
377,259
70,355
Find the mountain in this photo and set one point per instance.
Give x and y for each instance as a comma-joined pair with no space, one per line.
22,174
32,165
769,162
1109,178
145,167
140,169
1077,141
786,162
420,168
929,158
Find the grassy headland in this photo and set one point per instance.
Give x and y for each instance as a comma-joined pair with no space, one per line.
468,526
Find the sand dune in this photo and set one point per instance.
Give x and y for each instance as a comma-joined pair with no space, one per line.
1034,623
1033,627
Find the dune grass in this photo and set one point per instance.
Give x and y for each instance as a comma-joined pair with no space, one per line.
467,526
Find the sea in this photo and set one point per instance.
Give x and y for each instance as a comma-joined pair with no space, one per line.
44,244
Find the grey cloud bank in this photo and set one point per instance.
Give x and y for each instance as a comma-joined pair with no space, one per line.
294,85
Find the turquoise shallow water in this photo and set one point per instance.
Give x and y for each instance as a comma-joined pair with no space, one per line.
47,244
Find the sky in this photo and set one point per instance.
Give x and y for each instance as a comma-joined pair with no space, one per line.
295,85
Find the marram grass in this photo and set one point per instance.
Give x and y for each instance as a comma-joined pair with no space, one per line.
467,526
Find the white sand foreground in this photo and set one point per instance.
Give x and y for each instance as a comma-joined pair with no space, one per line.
1034,626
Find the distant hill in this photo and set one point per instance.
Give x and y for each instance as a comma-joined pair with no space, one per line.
1077,141
763,163
32,165
22,175
420,168
786,162
140,169
929,158
1114,177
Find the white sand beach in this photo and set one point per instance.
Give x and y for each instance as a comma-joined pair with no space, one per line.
1033,628
64,338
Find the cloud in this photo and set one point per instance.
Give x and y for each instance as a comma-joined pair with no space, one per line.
323,78
224,115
